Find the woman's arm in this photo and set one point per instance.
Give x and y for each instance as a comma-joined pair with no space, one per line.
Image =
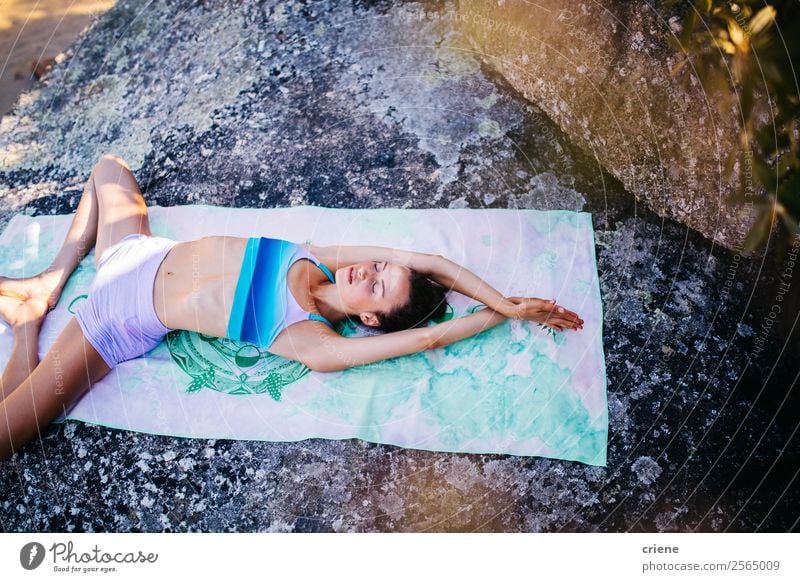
338,256
452,276
442,270
323,350
458,278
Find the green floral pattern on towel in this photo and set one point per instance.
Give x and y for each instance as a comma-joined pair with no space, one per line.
229,366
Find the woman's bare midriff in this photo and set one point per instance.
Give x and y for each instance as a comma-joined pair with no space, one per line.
196,282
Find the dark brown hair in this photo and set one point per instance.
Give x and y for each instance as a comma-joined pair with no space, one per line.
427,300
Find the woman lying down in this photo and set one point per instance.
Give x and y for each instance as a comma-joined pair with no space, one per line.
273,293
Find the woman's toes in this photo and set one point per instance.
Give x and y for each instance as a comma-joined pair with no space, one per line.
12,287
46,286
18,312
12,295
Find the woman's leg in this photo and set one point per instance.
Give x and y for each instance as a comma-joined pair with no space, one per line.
34,393
70,367
25,318
122,209
111,207
24,302
79,241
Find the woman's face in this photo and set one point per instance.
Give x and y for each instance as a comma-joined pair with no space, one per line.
373,287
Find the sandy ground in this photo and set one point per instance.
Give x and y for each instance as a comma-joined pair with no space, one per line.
32,33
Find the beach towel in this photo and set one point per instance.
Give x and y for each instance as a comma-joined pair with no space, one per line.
519,388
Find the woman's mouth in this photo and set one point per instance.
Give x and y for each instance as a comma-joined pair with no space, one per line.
350,276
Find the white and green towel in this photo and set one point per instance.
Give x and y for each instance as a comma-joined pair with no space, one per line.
519,388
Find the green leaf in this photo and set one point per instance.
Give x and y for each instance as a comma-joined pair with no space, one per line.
679,66
790,223
713,81
703,6
773,73
746,99
759,232
741,68
730,160
789,194
762,20
766,175
689,24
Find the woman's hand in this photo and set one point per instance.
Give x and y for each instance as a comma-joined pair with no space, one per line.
544,311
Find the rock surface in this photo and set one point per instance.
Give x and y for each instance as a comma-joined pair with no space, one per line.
361,105
604,73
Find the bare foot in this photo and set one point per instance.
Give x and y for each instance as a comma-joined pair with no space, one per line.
45,286
22,313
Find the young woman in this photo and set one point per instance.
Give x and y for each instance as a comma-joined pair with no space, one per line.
276,294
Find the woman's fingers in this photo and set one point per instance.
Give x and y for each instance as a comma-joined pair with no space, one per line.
564,313
572,318
569,315
535,309
552,305
564,323
550,316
